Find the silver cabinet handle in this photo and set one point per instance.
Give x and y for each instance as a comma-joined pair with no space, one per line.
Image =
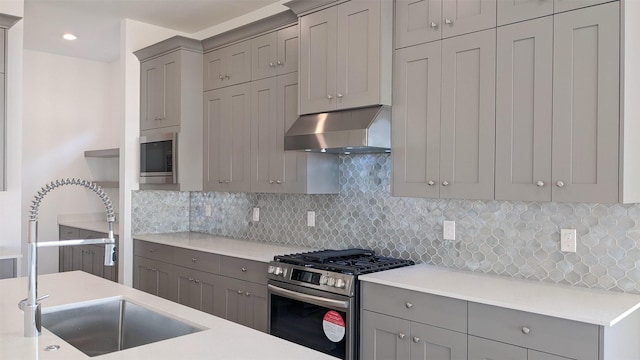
197,281
431,183
191,279
408,305
244,269
271,64
560,184
247,293
445,183
159,119
416,339
240,292
278,181
227,76
280,62
433,25
448,21
539,183
221,77
194,259
526,330
339,96
401,336
329,96
270,181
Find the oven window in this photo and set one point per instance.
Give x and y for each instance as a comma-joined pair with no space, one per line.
155,157
313,326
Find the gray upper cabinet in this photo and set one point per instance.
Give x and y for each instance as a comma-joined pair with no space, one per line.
345,56
160,91
427,20
467,124
227,131
275,53
443,128
510,11
524,110
586,105
274,109
227,66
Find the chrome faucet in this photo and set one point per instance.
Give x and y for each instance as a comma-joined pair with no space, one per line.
31,305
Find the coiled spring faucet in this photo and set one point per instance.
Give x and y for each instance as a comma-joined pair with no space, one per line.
31,305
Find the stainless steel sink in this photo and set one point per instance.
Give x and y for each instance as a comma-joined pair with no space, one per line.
113,325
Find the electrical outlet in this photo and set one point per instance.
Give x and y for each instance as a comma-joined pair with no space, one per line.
207,210
256,214
568,240
311,218
449,230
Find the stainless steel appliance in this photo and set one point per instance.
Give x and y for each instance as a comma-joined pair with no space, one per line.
314,297
158,155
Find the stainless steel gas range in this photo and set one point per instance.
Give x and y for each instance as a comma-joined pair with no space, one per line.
314,297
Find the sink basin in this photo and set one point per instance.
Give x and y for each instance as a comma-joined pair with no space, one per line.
113,325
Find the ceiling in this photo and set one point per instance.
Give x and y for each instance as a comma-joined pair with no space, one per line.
96,23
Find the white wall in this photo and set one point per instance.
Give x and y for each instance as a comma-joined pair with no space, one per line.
68,109
10,209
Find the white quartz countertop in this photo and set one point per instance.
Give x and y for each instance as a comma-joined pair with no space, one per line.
223,340
91,225
591,306
6,253
251,250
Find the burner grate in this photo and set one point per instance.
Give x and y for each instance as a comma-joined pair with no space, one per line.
350,261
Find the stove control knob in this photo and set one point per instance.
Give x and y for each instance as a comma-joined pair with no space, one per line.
323,280
340,283
278,271
331,281
271,269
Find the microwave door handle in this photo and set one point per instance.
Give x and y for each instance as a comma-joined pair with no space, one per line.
311,299
174,154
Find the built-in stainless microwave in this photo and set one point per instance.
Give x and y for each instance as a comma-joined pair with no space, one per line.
158,155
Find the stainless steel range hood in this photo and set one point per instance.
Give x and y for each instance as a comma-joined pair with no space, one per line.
353,131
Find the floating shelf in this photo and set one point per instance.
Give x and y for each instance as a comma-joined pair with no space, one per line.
104,153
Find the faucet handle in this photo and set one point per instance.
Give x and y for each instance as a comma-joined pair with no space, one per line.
23,303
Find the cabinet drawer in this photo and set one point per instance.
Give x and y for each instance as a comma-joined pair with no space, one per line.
88,234
544,333
197,260
69,233
428,309
153,251
243,269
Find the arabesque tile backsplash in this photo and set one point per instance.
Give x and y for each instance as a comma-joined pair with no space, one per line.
510,238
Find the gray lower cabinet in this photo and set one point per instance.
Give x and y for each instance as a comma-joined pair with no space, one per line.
153,277
245,303
199,290
8,268
87,258
444,118
483,349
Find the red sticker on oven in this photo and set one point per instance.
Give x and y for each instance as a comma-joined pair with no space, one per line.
333,326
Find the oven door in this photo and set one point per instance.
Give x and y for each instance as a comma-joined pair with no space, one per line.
316,319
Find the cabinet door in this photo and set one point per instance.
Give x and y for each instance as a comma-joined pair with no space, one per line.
524,110
256,315
237,68
510,11
288,48
384,337
267,160
537,355
214,67
358,54
234,299
211,289
466,16
483,349
264,54
318,43
227,132
566,5
434,343
188,287
7,268
417,21
154,277
468,116
586,105
160,92
416,121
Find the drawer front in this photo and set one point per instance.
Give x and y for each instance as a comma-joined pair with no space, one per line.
544,333
88,234
153,251
197,260
243,269
428,309
68,233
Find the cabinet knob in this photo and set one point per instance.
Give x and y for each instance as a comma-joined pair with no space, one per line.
445,183
278,181
272,64
158,118
154,269
339,96
431,183
560,184
197,281
191,279
539,183
433,25
240,292
152,250
247,293
244,269
408,305
270,181
526,330
194,259
227,76
448,21
221,77
329,96
401,336
416,339
280,62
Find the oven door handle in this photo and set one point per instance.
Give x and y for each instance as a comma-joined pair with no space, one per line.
315,300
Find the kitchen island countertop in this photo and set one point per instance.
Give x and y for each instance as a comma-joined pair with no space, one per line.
222,340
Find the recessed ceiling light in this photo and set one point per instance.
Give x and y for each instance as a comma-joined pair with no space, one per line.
69,36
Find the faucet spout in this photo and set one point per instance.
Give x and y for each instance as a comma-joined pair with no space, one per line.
31,305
